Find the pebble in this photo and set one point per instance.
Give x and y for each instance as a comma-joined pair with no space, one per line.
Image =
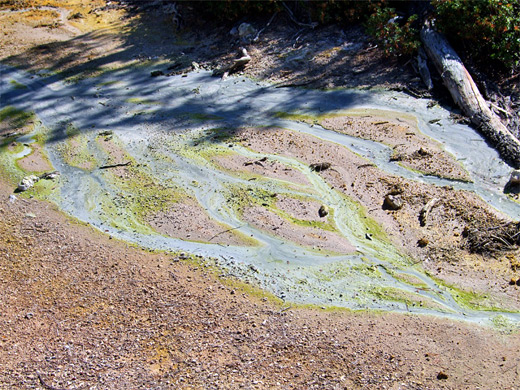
514,179
393,202
442,375
156,73
323,211
423,242
27,182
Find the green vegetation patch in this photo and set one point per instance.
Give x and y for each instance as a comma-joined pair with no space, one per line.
16,118
481,301
143,101
293,116
204,117
108,83
75,149
408,298
241,197
339,271
504,324
409,279
17,85
43,189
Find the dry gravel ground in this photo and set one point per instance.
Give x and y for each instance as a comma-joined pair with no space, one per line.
79,310
82,311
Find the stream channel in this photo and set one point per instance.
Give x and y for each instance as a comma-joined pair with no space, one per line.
157,122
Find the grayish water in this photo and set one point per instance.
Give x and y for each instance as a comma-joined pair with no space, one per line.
158,119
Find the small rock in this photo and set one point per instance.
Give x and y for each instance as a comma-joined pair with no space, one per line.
29,315
245,29
156,73
442,375
27,182
423,242
50,175
77,15
183,256
12,198
105,133
323,211
393,202
318,167
423,152
195,66
514,180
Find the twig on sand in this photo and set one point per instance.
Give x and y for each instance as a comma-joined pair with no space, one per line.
425,211
284,309
267,25
293,18
225,231
115,165
45,385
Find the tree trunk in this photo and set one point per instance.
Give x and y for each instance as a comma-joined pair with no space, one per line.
467,96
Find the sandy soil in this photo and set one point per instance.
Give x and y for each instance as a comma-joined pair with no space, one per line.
188,221
271,169
411,148
306,236
36,161
443,229
81,310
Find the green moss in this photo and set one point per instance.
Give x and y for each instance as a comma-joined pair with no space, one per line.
504,324
16,118
140,195
75,150
40,137
144,101
240,197
17,85
408,279
108,83
324,224
16,147
43,190
339,271
474,300
204,117
299,117
114,211
73,77
409,299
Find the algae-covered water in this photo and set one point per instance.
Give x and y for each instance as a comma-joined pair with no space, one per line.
169,130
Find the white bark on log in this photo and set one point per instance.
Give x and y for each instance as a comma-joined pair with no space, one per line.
467,96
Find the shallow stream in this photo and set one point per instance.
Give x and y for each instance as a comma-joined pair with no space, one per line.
159,124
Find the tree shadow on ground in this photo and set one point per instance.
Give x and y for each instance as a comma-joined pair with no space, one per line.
314,58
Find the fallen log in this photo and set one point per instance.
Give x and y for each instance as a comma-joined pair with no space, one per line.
467,96
235,66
